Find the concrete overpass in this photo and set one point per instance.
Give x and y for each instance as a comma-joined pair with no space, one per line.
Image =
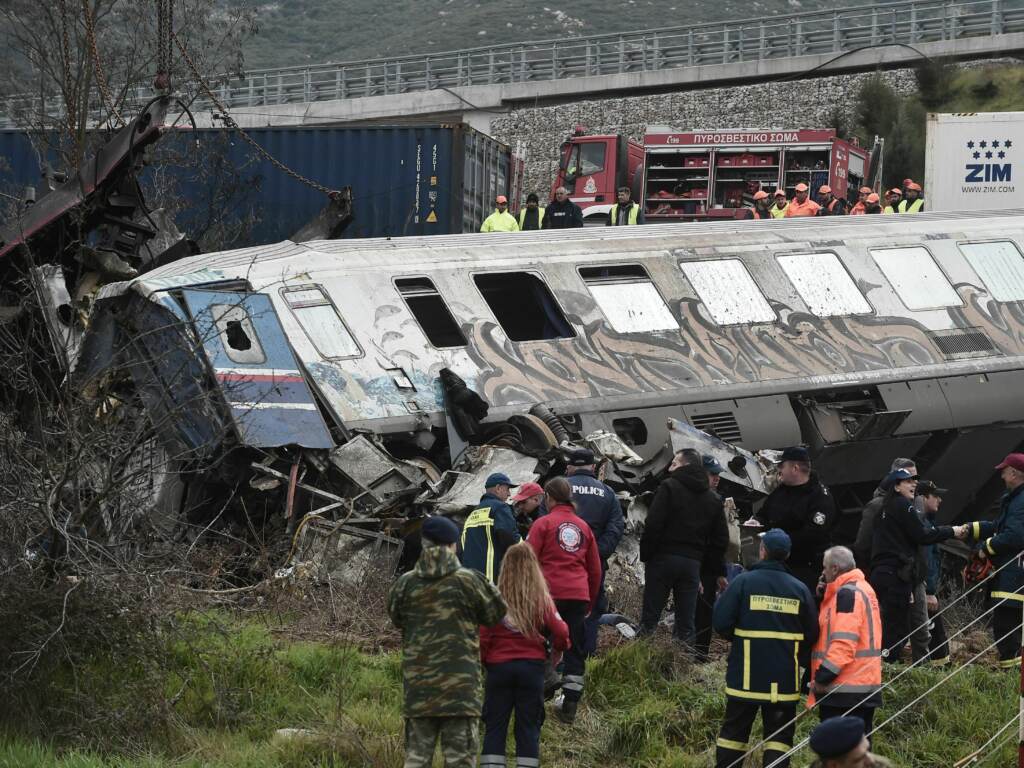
474,84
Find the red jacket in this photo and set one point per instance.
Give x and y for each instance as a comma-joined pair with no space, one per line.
501,643
568,555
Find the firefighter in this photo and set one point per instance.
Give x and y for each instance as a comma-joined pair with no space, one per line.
830,204
489,530
501,220
846,664
779,205
532,215
761,208
859,206
625,211
892,199
1002,541
771,619
801,204
872,204
912,202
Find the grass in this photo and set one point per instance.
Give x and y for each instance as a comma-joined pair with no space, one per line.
987,89
231,684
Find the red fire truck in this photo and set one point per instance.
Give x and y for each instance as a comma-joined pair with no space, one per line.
693,175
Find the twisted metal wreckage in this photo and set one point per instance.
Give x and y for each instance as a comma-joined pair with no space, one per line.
344,388
239,426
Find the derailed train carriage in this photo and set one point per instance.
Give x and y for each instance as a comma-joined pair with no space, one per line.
863,337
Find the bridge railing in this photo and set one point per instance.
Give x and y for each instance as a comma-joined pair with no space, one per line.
814,33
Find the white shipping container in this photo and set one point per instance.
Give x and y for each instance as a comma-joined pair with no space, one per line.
974,161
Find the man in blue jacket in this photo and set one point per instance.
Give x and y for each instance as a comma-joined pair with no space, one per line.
598,505
490,529
772,620
1002,541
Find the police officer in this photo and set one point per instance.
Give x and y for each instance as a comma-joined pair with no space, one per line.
1002,541
772,621
597,504
625,211
532,215
803,508
490,529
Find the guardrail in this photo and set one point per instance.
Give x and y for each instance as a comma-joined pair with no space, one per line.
813,33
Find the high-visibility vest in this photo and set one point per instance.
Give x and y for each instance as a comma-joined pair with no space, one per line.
540,216
500,221
849,645
914,207
779,213
631,217
888,209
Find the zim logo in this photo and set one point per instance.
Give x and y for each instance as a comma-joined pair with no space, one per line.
980,170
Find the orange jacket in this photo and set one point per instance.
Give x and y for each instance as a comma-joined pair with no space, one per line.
807,208
848,655
858,209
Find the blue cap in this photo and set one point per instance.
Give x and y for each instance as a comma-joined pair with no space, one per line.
440,530
777,542
498,478
896,476
837,736
796,453
711,466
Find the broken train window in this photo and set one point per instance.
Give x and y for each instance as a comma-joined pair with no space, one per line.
824,284
916,277
320,320
728,291
1000,266
430,312
237,334
523,306
628,298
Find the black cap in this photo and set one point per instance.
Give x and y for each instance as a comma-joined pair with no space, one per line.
928,488
532,198
440,530
581,457
837,736
796,453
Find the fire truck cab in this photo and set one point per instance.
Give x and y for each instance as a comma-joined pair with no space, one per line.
592,168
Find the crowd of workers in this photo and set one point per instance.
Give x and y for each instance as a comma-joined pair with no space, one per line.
563,213
826,604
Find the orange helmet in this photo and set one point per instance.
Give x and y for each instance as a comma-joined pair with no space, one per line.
872,198
801,187
760,195
914,186
824,189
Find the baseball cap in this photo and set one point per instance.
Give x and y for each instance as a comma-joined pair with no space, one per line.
907,182
914,185
837,736
801,187
896,191
780,193
896,476
872,198
824,189
440,530
795,453
711,465
527,491
760,195
1015,460
498,478
581,457
776,541
501,199
928,488
866,190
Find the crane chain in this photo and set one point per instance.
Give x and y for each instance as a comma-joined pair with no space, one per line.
101,80
230,123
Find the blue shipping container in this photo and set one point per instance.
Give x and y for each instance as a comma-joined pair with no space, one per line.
406,180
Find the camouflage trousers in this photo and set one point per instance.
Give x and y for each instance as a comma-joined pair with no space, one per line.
459,741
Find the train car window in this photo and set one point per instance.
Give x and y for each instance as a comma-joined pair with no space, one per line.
524,306
824,284
237,334
431,312
1000,266
628,298
320,320
916,277
728,291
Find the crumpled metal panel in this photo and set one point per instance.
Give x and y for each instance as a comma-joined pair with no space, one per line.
468,486
683,435
374,470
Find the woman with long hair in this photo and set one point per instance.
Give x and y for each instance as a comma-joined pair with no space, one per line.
568,555
514,653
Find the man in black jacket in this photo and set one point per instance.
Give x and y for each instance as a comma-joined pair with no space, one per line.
562,213
685,525
803,508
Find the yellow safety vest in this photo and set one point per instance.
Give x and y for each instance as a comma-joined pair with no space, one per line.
500,222
779,213
634,212
481,518
522,216
914,207
888,209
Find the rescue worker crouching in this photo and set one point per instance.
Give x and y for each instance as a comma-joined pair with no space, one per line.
830,204
846,663
532,215
490,529
1001,541
501,220
625,211
771,619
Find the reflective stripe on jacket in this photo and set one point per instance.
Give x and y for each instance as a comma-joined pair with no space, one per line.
1003,541
848,655
770,617
487,533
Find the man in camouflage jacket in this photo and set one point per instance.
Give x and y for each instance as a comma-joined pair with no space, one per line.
439,606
